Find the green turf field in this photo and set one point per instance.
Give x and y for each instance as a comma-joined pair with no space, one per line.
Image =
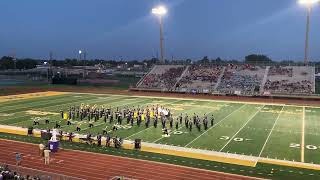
262,130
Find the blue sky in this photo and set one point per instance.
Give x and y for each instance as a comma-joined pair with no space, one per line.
114,29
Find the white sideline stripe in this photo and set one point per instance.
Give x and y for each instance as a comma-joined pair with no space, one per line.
302,134
138,132
214,125
242,128
194,99
274,124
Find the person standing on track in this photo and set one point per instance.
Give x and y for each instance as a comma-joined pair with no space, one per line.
46,156
41,149
18,159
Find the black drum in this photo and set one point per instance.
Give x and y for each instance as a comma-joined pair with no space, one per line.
30,130
137,143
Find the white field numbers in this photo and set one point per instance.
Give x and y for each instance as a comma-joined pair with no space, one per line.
310,147
237,139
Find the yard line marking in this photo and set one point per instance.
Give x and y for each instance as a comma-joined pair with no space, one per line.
138,132
64,105
10,107
92,127
302,134
213,100
122,105
180,126
242,128
163,136
39,109
193,99
214,125
274,124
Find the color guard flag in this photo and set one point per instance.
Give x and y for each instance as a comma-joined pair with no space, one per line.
65,116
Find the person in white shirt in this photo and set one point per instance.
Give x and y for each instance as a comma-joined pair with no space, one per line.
46,156
41,149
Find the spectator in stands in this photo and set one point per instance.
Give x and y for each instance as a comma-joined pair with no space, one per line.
199,76
7,174
164,80
242,78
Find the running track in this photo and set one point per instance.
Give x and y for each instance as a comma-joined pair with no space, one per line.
87,165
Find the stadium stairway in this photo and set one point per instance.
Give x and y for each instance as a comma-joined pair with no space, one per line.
141,80
219,79
182,75
313,72
264,80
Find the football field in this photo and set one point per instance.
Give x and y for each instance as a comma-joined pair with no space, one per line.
272,131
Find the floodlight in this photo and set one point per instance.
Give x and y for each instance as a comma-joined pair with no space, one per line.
308,2
160,11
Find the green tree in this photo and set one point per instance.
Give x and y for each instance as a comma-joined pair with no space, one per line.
257,58
205,60
6,62
26,63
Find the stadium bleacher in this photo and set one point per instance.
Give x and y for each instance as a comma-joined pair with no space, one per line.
201,78
162,77
241,79
290,80
236,79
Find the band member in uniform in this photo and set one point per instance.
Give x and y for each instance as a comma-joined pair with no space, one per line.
111,118
57,125
212,120
180,118
190,126
36,122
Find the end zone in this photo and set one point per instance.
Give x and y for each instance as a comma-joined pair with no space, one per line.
30,95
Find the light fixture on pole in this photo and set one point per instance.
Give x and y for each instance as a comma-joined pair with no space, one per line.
308,4
80,52
160,12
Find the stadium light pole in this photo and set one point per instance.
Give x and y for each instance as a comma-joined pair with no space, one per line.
160,12
308,4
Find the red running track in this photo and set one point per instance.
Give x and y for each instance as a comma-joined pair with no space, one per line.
86,165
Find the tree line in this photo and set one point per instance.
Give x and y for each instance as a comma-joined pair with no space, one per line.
7,62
